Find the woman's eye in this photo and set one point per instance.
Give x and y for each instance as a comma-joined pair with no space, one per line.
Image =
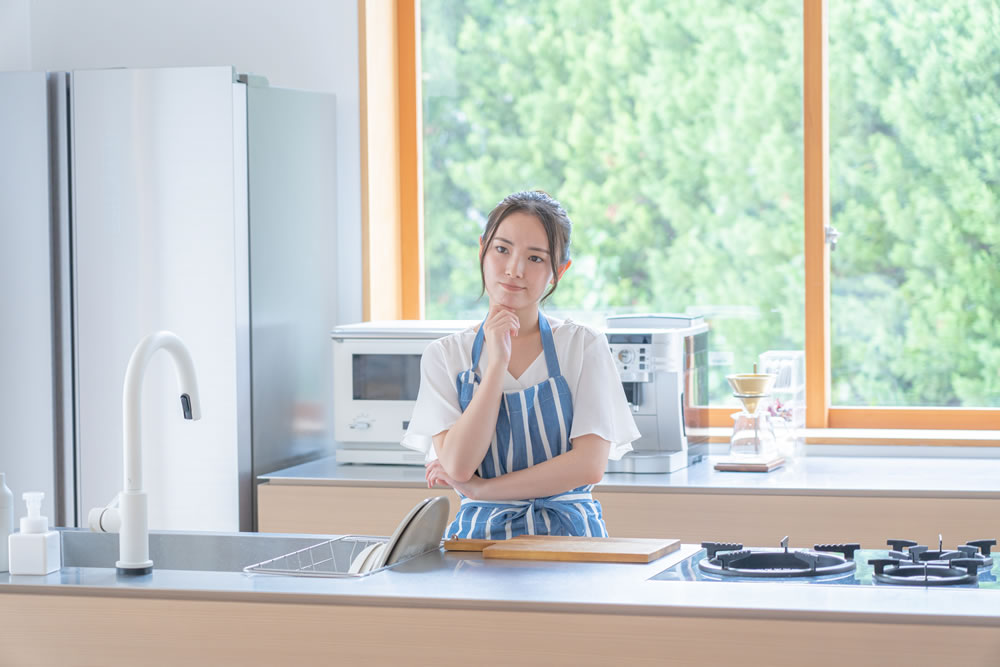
535,258
501,249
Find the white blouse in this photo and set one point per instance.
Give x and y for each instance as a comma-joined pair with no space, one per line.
599,404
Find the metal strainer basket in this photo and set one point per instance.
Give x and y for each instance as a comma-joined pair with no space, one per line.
332,558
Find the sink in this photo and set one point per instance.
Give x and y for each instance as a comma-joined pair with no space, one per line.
169,550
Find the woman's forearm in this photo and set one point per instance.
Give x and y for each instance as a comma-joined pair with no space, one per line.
465,444
582,465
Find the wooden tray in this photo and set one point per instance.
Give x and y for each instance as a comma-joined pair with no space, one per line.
750,466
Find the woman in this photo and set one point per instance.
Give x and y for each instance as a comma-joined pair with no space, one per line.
523,411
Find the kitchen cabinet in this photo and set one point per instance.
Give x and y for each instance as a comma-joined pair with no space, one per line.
155,630
813,500
445,607
759,519
339,510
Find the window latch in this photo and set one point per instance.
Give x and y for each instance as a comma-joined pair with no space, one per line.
831,235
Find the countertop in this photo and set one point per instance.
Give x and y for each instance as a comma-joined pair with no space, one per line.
467,581
808,475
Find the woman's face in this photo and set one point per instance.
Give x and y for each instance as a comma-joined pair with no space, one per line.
516,266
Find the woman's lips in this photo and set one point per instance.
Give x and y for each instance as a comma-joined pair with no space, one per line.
511,288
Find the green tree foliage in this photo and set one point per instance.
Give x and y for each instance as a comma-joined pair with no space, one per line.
672,133
914,181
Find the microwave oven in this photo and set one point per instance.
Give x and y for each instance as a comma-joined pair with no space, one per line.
662,362
376,376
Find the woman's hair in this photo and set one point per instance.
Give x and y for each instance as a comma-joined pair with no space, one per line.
553,218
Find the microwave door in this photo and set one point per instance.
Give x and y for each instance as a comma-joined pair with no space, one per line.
385,377
375,389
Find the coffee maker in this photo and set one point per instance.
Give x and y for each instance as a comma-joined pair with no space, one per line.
662,361
752,447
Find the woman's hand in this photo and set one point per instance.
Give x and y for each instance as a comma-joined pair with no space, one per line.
501,323
435,474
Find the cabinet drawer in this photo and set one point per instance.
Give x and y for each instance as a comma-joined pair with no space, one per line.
757,519
762,520
338,510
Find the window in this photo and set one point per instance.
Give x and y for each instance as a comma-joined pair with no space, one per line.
672,134
915,195
676,140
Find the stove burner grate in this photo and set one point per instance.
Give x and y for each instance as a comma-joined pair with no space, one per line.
907,563
914,564
728,559
954,572
974,549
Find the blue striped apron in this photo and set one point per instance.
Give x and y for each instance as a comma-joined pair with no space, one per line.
533,426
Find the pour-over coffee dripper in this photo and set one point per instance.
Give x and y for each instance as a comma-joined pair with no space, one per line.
753,435
750,388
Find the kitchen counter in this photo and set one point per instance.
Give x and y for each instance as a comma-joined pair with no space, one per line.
809,475
440,608
812,499
468,581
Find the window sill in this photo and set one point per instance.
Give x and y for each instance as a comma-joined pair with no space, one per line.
864,437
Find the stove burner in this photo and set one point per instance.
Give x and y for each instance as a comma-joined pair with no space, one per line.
977,550
732,560
906,563
969,551
930,573
920,566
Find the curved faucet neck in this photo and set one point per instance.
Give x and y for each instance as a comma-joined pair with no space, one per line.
132,396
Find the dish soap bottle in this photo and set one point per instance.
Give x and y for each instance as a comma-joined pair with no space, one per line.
6,519
36,549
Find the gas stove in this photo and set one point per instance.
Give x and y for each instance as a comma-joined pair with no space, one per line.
904,563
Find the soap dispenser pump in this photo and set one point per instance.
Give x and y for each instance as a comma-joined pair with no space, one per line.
36,549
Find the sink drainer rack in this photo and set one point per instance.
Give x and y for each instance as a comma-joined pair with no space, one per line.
331,558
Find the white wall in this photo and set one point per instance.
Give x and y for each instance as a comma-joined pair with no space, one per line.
15,35
307,44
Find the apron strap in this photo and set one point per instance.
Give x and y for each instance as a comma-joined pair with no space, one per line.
477,345
560,508
549,346
575,496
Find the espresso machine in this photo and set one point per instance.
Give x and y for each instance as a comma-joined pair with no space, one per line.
662,361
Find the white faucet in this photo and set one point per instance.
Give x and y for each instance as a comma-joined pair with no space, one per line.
130,518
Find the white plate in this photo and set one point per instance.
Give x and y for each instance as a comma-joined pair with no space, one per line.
423,533
357,565
399,531
374,557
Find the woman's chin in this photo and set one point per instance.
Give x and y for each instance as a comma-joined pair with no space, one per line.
508,300
501,302
516,300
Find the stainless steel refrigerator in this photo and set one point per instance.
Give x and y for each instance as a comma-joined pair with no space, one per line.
187,199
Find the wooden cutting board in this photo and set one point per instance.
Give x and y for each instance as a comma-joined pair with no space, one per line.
464,544
579,549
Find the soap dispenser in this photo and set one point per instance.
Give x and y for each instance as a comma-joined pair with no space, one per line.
36,549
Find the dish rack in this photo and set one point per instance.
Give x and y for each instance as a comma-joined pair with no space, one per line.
332,558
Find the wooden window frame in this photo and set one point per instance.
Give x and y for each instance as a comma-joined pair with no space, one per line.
392,232
393,283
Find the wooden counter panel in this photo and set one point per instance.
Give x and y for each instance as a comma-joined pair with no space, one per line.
82,630
754,519
762,520
338,510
